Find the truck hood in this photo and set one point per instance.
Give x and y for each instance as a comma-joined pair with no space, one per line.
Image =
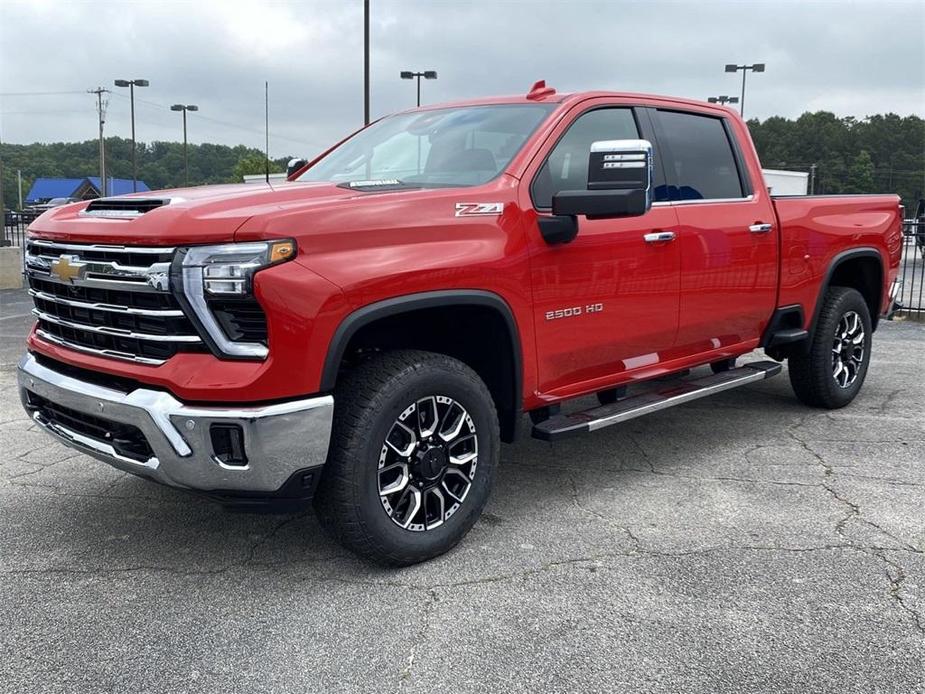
205,214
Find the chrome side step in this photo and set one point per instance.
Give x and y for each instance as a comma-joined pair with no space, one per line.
562,425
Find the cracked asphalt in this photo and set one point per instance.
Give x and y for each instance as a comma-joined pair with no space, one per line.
739,543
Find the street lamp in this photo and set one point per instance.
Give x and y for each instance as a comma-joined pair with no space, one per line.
188,107
723,99
732,67
427,74
131,84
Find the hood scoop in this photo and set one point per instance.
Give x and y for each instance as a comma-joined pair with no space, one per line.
123,208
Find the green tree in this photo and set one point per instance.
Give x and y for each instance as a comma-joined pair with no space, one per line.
861,173
251,164
877,154
160,164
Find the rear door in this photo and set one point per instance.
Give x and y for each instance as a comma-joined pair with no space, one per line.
727,233
607,302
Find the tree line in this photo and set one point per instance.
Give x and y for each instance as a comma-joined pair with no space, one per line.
160,164
878,154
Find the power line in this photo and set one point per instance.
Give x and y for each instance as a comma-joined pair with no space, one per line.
40,112
37,93
227,124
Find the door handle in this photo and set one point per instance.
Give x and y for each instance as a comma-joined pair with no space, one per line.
659,236
760,228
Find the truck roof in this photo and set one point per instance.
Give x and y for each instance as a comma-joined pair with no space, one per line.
540,93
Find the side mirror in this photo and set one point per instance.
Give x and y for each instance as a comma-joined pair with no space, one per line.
619,185
619,182
294,165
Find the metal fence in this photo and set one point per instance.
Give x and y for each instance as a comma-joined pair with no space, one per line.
910,294
14,233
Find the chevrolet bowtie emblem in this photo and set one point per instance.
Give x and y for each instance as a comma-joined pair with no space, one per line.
67,268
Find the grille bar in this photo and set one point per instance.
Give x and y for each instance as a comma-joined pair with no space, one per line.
114,308
117,332
71,270
114,354
101,247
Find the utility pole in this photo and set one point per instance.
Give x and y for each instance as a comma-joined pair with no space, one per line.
812,179
2,208
101,110
266,113
365,62
19,181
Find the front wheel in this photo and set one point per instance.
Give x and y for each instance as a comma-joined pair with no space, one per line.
831,372
413,454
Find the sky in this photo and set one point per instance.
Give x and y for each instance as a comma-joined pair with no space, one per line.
852,58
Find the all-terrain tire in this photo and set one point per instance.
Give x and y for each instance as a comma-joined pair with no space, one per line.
368,404
813,371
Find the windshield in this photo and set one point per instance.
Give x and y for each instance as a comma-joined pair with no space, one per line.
461,146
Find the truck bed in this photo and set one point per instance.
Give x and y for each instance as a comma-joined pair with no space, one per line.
816,229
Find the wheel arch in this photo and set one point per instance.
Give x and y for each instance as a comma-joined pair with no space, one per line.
501,368
861,269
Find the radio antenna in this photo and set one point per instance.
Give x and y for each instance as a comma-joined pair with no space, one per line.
266,108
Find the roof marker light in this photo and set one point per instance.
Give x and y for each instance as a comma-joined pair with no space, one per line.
539,90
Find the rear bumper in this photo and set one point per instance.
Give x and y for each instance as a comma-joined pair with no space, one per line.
279,440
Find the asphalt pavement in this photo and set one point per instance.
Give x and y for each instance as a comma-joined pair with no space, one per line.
742,543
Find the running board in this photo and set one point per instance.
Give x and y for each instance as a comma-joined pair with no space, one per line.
563,425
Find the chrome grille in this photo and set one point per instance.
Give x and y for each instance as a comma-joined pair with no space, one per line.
113,301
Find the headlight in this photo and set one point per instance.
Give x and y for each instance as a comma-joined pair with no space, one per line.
224,272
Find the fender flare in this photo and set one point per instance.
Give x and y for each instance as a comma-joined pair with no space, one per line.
411,302
839,259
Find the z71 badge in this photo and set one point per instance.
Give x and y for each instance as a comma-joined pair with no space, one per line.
468,209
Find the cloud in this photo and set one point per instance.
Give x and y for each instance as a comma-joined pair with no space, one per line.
853,58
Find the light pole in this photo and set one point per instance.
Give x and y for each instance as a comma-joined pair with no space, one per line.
365,62
427,74
187,107
723,99
732,67
131,84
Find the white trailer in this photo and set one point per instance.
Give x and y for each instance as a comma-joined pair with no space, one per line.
782,182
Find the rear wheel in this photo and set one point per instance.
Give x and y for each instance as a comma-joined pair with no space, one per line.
831,372
413,453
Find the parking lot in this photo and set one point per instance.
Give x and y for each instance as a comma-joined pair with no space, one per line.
739,543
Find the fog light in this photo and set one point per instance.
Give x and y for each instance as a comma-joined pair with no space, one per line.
228,444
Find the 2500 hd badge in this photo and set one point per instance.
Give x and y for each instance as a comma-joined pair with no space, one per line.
573,311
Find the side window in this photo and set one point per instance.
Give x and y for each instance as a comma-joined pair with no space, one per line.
698,157
566,167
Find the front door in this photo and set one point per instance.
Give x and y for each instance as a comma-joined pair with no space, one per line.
607,302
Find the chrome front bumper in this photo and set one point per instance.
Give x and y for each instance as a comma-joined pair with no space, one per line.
279,439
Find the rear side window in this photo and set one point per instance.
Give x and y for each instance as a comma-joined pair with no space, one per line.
566,167
698,157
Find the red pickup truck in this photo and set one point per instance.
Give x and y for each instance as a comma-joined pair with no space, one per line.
367,333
